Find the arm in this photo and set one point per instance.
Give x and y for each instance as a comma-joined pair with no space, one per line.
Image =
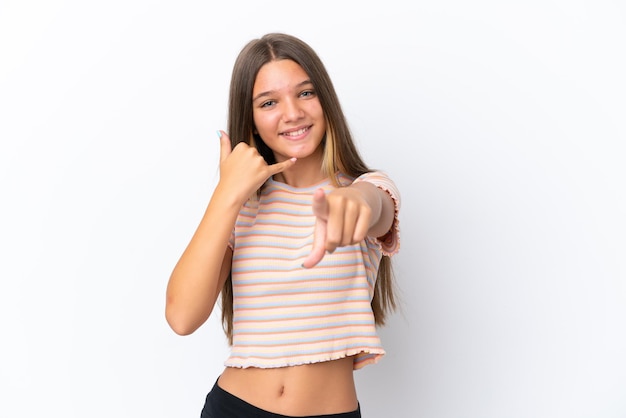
201,271
383,208
347,215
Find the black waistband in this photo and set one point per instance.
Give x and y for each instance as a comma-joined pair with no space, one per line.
222,404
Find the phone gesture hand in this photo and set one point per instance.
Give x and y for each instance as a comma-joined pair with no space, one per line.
243,170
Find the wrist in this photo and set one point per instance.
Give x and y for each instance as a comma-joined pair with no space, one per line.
227,196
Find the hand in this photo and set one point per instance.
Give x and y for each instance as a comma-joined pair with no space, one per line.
243,170
343,217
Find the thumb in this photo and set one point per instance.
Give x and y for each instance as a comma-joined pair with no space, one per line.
282,166
225,146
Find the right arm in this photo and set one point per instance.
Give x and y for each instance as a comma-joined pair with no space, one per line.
201,271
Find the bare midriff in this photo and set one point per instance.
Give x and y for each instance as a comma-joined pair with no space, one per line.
310,389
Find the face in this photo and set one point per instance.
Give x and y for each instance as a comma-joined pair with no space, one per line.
287,112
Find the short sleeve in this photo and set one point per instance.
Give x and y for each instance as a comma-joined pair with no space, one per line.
390,242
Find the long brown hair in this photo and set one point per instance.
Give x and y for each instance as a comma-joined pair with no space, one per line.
340,153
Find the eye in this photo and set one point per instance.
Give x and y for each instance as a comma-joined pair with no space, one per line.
307,93
267,103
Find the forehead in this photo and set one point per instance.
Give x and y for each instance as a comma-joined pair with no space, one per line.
279,75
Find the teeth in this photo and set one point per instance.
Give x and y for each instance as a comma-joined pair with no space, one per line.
296,133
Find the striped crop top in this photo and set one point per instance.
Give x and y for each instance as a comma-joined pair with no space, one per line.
284,314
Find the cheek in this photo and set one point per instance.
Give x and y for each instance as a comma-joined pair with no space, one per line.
318,113
263,121
255,119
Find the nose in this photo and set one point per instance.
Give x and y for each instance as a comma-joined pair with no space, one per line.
292,110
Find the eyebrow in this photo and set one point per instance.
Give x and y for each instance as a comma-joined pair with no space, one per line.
270,92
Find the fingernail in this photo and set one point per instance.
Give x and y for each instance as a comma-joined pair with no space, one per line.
294,159
219,134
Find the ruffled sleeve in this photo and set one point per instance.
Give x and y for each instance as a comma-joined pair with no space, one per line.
390,242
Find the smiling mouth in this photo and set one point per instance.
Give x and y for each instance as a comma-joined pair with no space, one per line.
296,133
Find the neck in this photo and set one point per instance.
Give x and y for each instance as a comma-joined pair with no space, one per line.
303,173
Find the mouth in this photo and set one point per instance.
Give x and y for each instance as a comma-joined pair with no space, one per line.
296,133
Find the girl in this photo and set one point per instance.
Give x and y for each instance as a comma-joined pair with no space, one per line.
296,237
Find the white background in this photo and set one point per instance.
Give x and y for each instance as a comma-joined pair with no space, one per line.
503,124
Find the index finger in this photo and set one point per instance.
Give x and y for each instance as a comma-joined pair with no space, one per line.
320,204
318,249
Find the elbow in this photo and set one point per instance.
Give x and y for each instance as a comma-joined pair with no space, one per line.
180,321
179,327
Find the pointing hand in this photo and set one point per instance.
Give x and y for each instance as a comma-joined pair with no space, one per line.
342,218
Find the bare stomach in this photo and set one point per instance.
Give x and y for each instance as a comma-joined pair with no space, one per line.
311,389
